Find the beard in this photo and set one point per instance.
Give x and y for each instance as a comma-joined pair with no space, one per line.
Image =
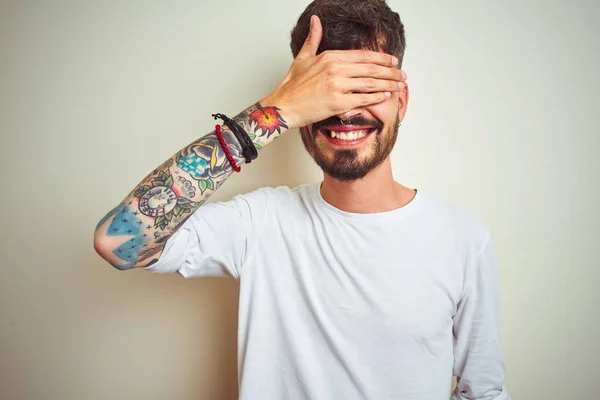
347,164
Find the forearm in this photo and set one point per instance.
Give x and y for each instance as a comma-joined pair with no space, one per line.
134,233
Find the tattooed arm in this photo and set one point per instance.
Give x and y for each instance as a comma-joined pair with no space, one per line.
316,87
135,232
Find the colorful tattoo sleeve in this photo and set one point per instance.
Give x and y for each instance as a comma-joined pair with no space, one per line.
134,233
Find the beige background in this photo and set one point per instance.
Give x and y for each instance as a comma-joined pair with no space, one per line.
502,121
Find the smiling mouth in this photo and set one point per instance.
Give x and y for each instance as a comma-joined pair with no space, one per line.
347,135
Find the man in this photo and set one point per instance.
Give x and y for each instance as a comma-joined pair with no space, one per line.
357,288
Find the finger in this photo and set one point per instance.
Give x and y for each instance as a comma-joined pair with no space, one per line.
369,85
313,40
358,100
372,71
365,56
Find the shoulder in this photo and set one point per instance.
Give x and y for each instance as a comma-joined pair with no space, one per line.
280,194
271,198
268,193
455,222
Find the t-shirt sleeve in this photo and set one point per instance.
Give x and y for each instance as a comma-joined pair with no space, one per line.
217,239
478,361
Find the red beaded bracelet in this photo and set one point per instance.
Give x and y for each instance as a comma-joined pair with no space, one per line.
236,168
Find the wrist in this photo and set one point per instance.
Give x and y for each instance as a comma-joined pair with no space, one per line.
284,110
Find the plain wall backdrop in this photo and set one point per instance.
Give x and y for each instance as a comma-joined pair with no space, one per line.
502,121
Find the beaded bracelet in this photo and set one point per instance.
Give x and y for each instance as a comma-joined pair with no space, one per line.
248,149
236,168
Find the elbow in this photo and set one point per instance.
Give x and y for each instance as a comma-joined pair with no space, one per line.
105,250
101,248
109,247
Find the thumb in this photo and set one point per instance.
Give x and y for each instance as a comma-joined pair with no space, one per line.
313,40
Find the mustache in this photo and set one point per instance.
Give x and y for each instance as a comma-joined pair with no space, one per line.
355,120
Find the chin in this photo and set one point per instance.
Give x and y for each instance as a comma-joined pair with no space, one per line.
345,165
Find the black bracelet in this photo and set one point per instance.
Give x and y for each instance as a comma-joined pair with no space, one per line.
246,152
234,126
246,137
249,151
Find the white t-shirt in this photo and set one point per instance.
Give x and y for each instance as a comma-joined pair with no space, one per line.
335,305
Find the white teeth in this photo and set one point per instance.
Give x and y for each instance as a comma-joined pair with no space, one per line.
354,135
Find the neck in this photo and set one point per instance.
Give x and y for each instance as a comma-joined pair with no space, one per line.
377,192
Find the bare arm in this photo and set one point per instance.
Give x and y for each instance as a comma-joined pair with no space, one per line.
134,233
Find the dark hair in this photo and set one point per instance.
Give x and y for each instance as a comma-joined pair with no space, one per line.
353,25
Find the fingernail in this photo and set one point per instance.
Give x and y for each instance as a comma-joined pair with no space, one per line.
312,18
401,85
388,94
404,75
394,60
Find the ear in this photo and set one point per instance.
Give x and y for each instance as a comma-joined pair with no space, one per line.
402,102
